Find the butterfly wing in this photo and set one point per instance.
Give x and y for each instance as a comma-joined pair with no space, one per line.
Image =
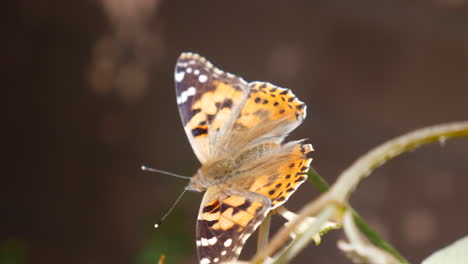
269,114
209,101
279,173
226,219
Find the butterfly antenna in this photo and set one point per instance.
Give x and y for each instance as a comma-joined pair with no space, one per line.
170,210
144,168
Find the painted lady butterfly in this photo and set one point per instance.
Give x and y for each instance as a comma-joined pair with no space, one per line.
236,130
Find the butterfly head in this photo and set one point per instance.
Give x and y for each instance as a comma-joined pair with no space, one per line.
200,181
196,183
210,174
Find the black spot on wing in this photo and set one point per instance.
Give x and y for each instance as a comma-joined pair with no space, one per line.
195,111
212,207
210,118
199,131
225,207
241,207
280,199
302,178
245,205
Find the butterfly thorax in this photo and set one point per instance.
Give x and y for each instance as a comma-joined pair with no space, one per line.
211,174
215,172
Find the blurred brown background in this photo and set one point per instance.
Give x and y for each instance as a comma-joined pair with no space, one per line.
90,98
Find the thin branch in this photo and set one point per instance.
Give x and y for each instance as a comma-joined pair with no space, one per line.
358,248
264,233
282,236
375,158
303,239
375,238
306,224
322,186
349,179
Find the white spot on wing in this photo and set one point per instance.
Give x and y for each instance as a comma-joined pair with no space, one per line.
196,72
189,70
205,261
182,98
204,242
224,252
228,242
212,240
202,78
198,243
179,76
215,260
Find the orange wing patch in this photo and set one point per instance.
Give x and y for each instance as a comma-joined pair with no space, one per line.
269,102
212,109
231,211
291,174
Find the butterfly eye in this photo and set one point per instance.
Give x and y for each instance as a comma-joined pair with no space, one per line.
196,183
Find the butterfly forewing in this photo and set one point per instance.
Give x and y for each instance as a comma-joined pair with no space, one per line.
209,100
269,114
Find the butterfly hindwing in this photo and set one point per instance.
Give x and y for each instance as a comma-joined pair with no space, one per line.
226,219
208,100
282,172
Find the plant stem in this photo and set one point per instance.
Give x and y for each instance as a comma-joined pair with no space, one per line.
303,239
338,194
317,181
264,233
348,179
322,186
